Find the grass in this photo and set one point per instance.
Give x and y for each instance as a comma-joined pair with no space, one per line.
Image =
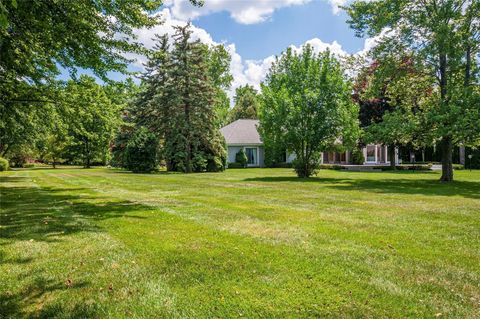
97,243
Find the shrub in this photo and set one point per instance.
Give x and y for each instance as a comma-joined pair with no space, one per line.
306,168
282,165
241,158
235,165
458,167
331,166
3,164
410,167
357,157
141,151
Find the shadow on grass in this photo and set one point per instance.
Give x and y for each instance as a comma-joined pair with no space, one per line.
433,187
31,213
11,303
48,215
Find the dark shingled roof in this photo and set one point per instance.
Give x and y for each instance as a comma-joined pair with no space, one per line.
241,132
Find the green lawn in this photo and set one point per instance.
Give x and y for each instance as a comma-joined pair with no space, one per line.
96,243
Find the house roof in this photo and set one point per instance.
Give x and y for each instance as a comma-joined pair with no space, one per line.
241,132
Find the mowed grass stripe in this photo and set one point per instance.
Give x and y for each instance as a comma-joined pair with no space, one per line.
255,250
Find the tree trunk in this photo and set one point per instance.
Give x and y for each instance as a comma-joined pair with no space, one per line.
87,153
391,156
54,164
447,145
188,148
447,167
468,65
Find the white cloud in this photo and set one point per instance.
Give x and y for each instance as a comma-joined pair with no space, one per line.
242,11
244,72
336,4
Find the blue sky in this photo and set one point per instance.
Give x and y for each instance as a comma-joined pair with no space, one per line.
286,26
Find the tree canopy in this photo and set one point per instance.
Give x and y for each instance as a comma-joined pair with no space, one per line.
246,104
446,36
306,107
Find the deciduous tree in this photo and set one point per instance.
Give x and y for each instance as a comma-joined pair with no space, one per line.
307,107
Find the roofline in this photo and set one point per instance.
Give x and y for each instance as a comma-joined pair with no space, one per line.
244,144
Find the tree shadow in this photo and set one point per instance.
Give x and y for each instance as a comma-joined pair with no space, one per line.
12,304
49,215
388,185
42,214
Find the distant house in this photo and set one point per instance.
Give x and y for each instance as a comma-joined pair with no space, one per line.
243,134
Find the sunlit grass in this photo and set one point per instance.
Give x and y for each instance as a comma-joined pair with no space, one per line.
78,243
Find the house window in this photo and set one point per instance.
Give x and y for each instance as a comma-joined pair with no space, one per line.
371,153
343,157
252,155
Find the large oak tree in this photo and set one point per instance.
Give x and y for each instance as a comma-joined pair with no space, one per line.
446,35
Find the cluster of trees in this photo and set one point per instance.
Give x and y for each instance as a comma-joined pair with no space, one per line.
419,86
180,103
425,82
75,127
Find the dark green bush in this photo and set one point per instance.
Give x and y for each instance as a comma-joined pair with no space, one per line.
357,157
282,165
235,165
3,164
241,158
410,167
331,166
458,167
141,151
306,168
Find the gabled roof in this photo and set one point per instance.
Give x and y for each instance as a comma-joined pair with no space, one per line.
241,132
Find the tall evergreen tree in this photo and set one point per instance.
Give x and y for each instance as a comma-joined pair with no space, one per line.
178,103
196,144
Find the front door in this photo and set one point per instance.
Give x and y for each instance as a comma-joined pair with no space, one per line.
252,156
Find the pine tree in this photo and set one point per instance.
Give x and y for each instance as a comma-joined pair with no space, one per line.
196,144
178,103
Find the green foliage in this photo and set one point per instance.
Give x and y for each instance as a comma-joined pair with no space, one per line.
235,165
246,104
141,152
218,61
178,102
307,107
92,120
38,36
281,165
4,165
241,158
357,157
445,37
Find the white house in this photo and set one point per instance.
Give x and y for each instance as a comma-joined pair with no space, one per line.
244,134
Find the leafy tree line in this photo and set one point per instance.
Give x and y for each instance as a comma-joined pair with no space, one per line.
440,103
38,39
